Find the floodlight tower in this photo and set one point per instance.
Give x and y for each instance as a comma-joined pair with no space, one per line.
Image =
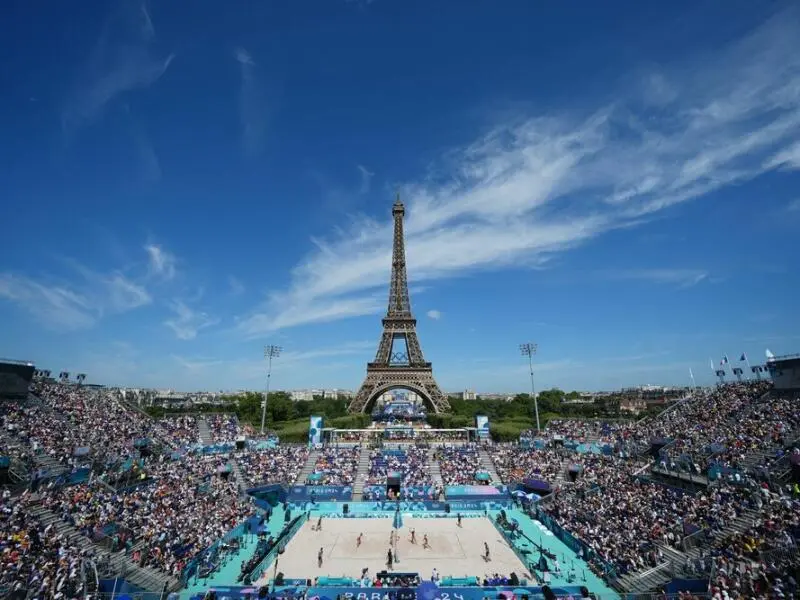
529,349
270,352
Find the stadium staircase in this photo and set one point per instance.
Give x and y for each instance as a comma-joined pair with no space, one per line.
435,470
133,407
41,461
204,431
757,457
361,476
679,559
739,525
146,578
643,581
488,465
52,465
18,471
562,472
236,472
308,468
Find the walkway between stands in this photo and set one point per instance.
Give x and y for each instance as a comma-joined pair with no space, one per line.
229,573
569,562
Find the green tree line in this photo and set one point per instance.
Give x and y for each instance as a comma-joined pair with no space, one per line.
507,419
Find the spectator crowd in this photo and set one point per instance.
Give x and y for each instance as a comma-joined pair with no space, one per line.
336,466
459,465
165,508
281,464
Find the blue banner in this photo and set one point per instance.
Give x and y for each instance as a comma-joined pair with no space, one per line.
378,492
315,431
475,492
426,591
424,508
482,425
312,493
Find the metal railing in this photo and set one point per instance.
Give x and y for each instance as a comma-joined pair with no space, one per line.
273,554
698,538
672,406
712,573
640,575
785,553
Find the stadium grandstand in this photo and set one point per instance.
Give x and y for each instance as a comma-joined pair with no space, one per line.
699,501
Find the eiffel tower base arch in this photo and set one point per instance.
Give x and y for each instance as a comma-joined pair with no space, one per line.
381,380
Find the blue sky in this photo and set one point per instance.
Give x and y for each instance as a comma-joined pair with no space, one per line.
619,182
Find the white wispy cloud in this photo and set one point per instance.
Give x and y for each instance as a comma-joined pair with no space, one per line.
76,305
122,294
788,158
150,166
366,179
345,349
197,364
794,205
125,58
538,186
679,277
252,103
434,314
236,286
187,322
249,369
161,262
56,306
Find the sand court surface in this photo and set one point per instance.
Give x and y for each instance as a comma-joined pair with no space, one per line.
454,551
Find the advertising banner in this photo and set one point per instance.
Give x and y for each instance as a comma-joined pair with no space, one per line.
482,425
320,493
427,590
475,492
378,492
315,431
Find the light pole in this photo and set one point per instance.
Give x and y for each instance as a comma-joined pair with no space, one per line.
528,349
270,352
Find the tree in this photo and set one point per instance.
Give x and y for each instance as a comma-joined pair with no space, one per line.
250,407
279,407
550,400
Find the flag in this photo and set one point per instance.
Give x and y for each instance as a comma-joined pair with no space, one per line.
743,358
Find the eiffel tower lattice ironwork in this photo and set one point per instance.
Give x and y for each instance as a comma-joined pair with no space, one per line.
395,368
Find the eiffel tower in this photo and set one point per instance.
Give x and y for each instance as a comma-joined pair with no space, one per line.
399,362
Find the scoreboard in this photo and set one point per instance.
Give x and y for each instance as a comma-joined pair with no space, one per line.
15,378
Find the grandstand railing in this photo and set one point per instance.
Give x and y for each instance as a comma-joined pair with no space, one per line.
647,573
698,538
786,553
272,555
672,406
191,568
712,573
609,571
